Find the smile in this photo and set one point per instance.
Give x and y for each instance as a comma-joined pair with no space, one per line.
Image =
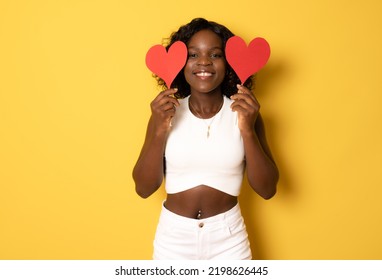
203,74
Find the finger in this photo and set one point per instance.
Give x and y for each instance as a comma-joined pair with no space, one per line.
243,89
242,110
168,100
246,94
248,99
166,96
242,96
241,105
168,92
246,91
168,107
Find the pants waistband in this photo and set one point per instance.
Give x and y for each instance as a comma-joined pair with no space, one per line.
229,216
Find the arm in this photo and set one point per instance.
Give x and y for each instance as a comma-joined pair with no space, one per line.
261,169
149,170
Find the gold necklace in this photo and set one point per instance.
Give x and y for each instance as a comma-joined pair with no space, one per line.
200,117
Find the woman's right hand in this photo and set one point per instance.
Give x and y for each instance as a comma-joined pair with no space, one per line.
163,109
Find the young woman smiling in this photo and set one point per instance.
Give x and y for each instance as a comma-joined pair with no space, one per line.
202,136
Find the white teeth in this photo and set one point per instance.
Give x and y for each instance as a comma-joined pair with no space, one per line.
203,74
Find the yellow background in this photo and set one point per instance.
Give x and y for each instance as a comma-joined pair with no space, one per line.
74,103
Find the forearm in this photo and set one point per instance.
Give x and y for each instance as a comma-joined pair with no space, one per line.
262,172
148,172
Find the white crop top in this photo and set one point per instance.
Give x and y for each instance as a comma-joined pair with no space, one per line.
192,159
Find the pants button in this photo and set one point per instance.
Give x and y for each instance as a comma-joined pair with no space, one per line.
201,225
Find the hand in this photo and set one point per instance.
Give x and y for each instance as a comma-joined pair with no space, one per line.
163,109
247,107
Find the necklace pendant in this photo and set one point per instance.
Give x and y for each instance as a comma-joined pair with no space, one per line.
208,132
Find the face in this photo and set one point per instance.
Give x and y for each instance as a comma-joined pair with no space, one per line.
206,66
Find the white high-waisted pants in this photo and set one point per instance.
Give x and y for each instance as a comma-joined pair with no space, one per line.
222,237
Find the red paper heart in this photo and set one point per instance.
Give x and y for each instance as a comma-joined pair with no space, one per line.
167,64
244,60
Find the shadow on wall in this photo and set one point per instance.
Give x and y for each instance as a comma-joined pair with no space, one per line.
263,90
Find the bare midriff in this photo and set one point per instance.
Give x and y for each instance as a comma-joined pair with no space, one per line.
200,202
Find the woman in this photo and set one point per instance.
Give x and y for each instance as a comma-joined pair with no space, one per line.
202,136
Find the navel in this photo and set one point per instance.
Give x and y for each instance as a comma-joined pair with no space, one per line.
199,215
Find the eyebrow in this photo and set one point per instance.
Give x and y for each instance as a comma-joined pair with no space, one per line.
210,49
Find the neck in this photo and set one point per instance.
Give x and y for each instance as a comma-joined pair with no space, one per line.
206,105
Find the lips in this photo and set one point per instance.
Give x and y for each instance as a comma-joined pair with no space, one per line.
203,73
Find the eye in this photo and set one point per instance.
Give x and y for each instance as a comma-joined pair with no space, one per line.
216,55
192,55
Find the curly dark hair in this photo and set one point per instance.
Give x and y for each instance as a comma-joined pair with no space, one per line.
184,34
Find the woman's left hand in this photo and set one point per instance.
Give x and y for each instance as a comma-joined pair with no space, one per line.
247,107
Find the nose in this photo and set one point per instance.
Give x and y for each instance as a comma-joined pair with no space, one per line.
204,60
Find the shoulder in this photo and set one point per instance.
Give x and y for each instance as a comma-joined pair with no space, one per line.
227,105
183,102
182,112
